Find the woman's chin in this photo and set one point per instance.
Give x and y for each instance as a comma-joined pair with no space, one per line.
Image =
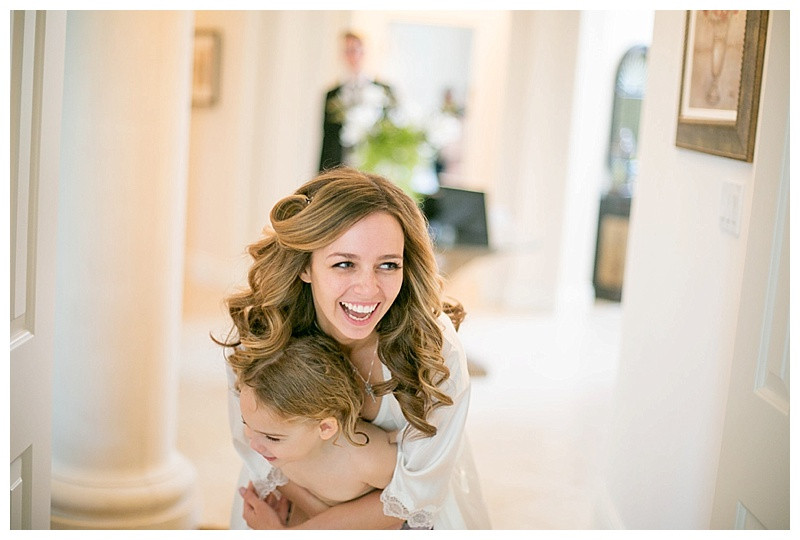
353,329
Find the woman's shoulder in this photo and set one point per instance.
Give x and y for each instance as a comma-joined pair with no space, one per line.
446,324
450,337
452,350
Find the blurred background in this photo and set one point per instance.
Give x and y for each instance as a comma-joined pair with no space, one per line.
607,315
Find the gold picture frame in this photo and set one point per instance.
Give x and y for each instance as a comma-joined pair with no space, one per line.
206,68
723,59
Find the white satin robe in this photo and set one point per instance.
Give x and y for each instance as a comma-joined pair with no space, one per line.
435,481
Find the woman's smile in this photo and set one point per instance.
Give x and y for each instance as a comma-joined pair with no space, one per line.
359,312
356,278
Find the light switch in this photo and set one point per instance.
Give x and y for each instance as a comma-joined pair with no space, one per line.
730,210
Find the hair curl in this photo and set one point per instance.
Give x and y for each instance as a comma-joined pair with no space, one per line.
278,304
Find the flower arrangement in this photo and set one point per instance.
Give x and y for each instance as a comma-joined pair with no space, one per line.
395,142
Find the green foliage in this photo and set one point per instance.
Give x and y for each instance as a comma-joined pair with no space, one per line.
392,151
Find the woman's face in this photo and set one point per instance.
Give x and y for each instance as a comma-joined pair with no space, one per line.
355,279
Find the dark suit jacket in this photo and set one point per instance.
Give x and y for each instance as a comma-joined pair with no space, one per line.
332,150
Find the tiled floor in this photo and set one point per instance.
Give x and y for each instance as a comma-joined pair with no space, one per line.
537,419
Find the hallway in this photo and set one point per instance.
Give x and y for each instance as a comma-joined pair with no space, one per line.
537,419
126,199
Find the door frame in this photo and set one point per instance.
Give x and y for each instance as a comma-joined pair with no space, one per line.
38,42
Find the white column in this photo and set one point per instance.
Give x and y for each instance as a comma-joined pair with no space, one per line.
119,278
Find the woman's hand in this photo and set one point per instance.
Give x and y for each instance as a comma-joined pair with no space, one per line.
267,513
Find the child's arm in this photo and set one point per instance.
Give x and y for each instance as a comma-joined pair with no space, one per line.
304,499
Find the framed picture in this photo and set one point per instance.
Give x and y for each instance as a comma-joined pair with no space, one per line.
723,57
206,72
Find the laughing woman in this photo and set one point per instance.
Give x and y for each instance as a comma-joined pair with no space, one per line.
349,254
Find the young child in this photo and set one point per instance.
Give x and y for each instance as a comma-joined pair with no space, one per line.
300,409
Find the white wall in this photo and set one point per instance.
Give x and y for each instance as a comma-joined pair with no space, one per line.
423,60
297,54
488,77
553,141
531,189
524,153
261,140
221,167
680,309
605,36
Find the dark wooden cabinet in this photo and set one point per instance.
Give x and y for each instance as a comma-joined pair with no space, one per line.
612,243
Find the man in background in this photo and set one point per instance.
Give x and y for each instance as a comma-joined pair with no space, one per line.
353,92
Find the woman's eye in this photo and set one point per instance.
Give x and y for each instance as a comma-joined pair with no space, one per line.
272,439
343,264
390,266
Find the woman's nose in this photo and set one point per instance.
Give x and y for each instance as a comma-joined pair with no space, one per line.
367,282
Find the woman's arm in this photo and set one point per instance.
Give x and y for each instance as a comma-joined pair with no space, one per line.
306,501
422,480
365,512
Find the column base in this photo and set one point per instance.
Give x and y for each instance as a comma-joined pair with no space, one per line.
167,499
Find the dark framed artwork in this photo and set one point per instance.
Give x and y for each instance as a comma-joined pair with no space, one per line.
723,58
206,70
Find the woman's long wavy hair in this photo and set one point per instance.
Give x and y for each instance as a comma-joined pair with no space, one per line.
309,378
278,304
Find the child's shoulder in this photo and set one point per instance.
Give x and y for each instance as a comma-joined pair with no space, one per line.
377,458
376,436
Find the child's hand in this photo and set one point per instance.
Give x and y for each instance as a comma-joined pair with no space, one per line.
268,513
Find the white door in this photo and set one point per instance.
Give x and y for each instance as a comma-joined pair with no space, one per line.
753,476
37,65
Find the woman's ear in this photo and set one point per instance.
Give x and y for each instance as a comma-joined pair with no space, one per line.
328,427
305,275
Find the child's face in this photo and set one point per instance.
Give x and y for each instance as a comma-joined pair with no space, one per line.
278,440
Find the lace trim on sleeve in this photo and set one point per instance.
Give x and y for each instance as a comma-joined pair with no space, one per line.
420,519
265,486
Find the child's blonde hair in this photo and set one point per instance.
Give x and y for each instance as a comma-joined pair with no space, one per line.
309,378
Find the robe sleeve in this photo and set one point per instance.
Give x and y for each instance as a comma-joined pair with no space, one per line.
425,465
